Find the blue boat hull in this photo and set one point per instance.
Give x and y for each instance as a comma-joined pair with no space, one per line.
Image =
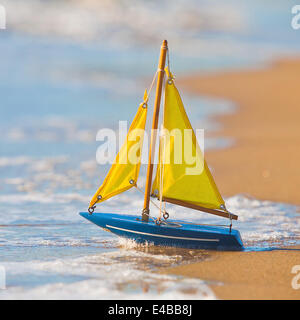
172,234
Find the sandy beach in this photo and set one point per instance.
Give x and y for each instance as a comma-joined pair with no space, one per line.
247,275
263,163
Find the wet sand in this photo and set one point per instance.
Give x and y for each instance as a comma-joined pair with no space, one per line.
264,162
247,275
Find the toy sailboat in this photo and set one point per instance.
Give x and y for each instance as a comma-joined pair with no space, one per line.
175,181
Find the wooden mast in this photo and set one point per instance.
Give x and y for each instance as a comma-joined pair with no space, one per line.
160,78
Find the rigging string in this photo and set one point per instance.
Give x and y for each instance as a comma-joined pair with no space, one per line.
141,191
168,57
151,86
181,222
161,166
162,157
158,220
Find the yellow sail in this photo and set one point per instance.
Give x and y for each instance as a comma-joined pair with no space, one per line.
182,171
124,172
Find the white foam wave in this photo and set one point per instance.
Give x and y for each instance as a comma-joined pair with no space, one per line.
36,197
47,179
113,275
14,161
98,290
50,129
36,164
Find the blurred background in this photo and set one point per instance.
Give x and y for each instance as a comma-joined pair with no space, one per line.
71,67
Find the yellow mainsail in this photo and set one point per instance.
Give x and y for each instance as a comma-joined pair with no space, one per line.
182,173
124,172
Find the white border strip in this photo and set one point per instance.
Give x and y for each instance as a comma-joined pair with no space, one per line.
161,236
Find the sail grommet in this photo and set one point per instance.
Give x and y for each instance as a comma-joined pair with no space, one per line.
222,207
99,197
158,222
91,209
166,215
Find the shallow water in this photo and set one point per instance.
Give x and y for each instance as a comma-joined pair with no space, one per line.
57,90
49,251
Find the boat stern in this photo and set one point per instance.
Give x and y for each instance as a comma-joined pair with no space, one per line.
237,244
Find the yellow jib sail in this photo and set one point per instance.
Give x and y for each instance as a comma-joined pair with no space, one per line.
124,172
182,171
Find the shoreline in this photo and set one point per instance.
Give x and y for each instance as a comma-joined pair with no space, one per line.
263,163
